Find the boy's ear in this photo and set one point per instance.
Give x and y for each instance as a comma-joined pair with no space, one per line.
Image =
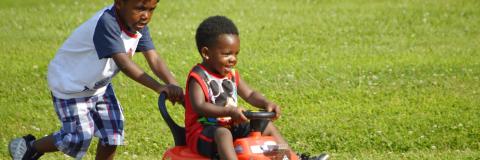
204,52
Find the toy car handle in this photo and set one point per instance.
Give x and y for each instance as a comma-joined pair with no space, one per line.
178,132
259,114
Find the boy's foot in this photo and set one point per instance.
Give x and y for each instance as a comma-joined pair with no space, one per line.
21,148
322,156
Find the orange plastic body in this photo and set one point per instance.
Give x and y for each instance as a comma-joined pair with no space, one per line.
182,152
255,147
249,148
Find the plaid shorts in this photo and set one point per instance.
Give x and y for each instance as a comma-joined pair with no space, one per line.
82,118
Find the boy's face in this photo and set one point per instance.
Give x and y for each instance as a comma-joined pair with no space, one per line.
135,14
221,57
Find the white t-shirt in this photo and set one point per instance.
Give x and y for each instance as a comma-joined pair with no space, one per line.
83,66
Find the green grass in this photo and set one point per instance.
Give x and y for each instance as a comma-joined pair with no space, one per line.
359,79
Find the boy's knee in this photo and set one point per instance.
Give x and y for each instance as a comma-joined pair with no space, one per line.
222,132
73,144
74,139
270,129
106,149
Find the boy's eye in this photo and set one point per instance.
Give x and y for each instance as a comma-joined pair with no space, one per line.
140,8
143,9
231,53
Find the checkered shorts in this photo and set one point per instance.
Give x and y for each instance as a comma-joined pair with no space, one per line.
82,118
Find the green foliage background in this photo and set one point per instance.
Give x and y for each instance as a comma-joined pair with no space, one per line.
359,79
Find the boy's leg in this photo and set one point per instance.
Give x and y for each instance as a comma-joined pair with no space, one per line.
224,141
215,141
108,118
77,130
271,130
73,139
105,152
21,148
45,144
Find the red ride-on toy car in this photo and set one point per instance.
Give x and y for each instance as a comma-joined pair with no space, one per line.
253,147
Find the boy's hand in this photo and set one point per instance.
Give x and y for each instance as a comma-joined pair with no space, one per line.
174,93
272,107
237,115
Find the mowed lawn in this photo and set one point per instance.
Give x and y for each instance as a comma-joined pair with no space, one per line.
359,79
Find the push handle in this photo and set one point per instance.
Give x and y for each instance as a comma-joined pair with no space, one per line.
178,132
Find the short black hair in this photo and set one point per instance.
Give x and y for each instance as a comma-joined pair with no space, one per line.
212,27
126,0
157,1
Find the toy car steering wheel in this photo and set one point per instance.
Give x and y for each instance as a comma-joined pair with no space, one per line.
259,114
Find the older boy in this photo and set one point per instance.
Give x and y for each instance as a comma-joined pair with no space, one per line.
79,78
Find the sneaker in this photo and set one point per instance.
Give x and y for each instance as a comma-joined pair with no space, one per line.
306,156
21,149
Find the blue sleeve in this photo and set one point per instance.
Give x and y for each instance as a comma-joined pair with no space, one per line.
145,42
106,37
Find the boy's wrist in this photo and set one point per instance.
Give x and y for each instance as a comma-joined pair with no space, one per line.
267,104
230,111
172,81
161,88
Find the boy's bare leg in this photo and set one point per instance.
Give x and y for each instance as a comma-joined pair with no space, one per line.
224,141
45,144
106,152
271,130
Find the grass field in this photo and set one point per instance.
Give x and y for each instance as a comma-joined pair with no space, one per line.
359,79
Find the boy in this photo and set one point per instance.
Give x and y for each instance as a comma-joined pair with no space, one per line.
79,78
212,118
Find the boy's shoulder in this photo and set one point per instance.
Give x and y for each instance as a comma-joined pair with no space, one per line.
107,19
102,21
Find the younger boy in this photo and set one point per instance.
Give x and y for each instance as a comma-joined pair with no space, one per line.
212,118
79,78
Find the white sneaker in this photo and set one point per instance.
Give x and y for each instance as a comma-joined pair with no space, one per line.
307,156
20,149
17,148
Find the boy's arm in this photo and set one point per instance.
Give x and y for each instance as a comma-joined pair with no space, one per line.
204,108
159,67
256,99
132,70
161,70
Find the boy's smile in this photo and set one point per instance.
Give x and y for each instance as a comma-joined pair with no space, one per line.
221,57
135,14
